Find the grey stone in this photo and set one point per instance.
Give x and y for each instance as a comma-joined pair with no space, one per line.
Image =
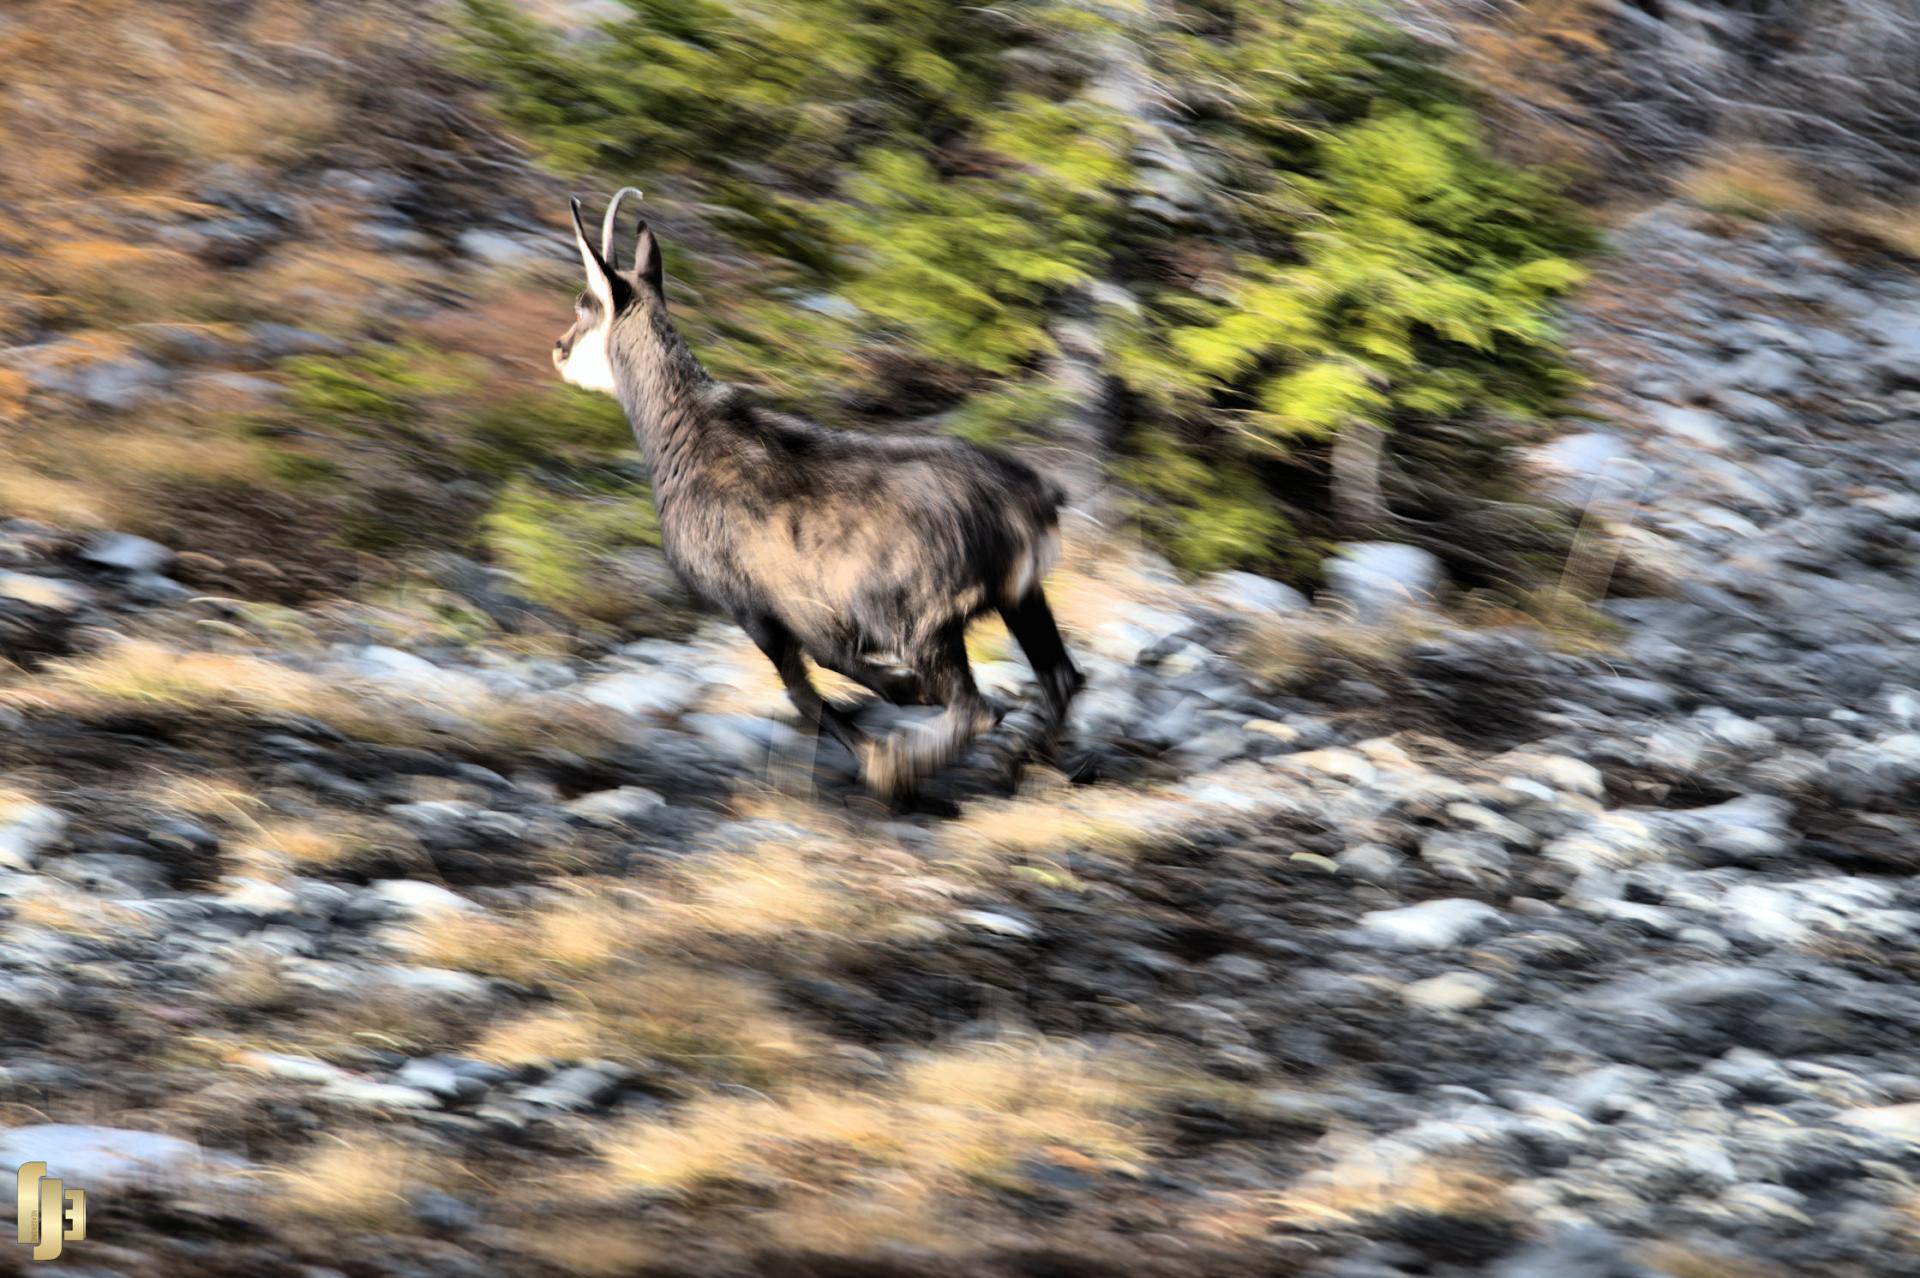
111,1158
497,248
108,378
127,553
1250,593
1381,578
1478,859
1767,371
575,1088
1588,464
1696,426
1608,1091
642,692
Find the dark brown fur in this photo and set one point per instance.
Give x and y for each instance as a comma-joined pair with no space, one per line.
858,551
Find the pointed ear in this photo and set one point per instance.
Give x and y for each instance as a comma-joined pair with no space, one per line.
646,261
599,279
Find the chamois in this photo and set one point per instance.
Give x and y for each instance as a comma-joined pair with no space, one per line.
851,549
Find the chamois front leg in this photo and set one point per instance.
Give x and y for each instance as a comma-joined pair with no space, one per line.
894,766
783,649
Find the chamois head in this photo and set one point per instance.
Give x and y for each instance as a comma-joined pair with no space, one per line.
584,352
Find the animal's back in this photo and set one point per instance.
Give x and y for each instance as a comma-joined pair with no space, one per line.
862,541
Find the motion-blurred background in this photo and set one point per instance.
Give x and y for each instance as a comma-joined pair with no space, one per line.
1490,431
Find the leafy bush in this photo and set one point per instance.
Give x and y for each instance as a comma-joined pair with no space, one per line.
551,543
376,386
1276,225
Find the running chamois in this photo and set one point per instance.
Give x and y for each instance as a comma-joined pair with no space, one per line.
868,554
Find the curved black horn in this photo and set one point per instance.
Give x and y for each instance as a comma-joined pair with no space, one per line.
606,224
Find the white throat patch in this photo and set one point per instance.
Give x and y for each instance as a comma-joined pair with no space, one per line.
589,364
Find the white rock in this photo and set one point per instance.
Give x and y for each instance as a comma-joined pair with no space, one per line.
1902,1121
1348,765
991,921
1449,992
626,803
301,1069
1370,861
25,831
421,899
257,896
375,1095
44,592
1433,925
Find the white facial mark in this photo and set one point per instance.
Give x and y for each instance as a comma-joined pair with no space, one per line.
588,364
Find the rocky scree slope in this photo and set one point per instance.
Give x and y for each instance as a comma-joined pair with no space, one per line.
1494,959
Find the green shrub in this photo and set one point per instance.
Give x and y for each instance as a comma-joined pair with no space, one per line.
551,543
1278,220
378,385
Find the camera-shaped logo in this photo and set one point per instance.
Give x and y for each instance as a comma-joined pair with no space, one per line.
51,1215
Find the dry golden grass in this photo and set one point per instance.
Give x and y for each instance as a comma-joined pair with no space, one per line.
81,474
768,893
248,122
591,927
951,1120
13,797
1039,829
361,1180
133,674
1524,58
1684,1260
710,1023
212,798
1755,182
1285,650
621,991
309,846
68,503
138,674
707,905
1363,1186
332,286
600,1248
256,980
97,280
58,908
13,392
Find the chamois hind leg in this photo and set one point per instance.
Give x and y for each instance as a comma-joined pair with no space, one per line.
894,766
1030,622
896,687
783,649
